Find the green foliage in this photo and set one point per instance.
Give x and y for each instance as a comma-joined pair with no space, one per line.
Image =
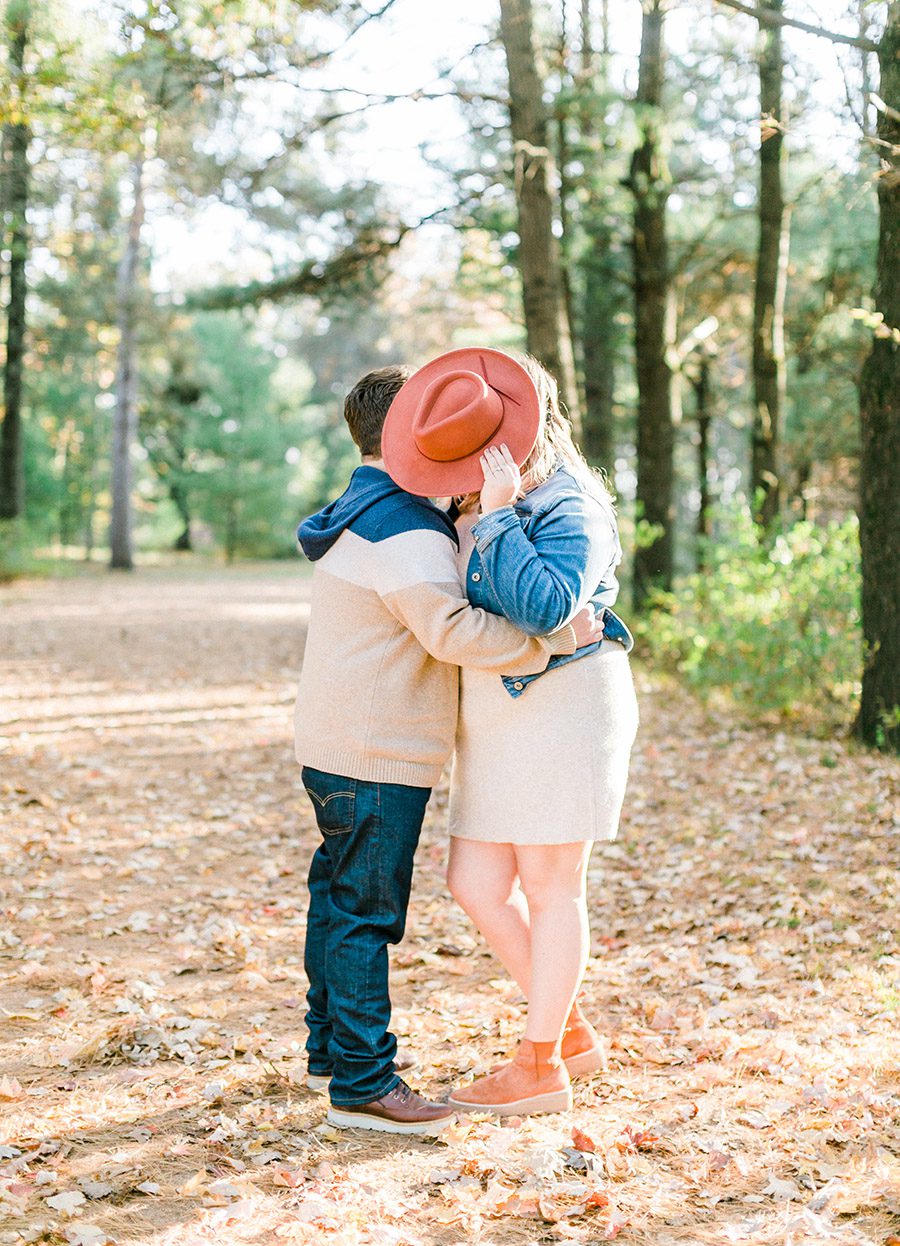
16,550
218,438
776,627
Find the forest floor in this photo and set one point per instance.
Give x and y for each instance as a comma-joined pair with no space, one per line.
745,967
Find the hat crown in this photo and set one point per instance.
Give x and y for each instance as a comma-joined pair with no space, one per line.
457,414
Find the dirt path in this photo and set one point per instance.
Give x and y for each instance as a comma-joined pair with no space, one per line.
746,966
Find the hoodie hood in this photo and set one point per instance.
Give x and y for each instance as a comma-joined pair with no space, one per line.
372,495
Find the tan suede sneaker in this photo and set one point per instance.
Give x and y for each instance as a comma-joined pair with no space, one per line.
400,1111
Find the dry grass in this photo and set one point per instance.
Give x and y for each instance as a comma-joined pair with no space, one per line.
746,966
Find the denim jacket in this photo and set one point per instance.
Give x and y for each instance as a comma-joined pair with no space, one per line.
540,561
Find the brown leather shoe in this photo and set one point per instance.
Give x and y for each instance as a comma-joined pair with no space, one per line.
400,1111
321,1081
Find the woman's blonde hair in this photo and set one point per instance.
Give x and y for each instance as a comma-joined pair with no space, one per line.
555,445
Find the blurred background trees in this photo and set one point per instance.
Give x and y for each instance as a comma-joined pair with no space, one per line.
217,215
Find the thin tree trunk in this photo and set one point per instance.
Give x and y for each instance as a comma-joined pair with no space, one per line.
598,328
701,387
547,328
67,518
231,528
125,413
771,282
178,494
800,500
864,20
879,516
563,156
653,563
15,175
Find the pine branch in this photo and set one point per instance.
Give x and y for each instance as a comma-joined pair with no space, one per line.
768,17
315,277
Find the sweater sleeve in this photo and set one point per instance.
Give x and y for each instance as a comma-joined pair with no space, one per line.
419,583
543,581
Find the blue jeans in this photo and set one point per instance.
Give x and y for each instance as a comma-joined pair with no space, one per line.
359,882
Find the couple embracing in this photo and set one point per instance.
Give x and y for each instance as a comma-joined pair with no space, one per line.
461,606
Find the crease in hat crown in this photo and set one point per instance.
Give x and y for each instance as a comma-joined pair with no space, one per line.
457,415
448,411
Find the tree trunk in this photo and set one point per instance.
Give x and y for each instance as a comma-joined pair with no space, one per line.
179,496
598,327
91,446
547,328
15,175
771,282
648,181
125,413
67,520
563,156
863,16
598,336
879,516
800,500
704,419
231,528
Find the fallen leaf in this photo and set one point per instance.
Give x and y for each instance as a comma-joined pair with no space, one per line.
755,1119
96,1189
66,1202
194,1185
781,1191
635,1139
288,1178
88,1235
583,1141
10,1088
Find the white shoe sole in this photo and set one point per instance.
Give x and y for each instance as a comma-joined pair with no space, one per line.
555,1101
587,1062
359,1120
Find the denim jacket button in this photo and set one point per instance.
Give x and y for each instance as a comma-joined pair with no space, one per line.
476,577
518,685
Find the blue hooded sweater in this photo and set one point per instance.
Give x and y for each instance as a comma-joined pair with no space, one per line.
374,508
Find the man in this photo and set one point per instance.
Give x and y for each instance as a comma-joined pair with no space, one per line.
374,725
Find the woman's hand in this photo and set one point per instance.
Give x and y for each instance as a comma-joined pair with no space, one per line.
588,626
502,479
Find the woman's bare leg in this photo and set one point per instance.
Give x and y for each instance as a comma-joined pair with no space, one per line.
483,879
552,877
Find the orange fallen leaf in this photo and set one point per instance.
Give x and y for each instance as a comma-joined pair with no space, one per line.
596,1198
288,1178
583,1141
635,1139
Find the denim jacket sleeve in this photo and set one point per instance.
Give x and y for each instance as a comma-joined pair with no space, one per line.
542,579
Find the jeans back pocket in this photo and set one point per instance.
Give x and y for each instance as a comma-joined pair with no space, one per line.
334,799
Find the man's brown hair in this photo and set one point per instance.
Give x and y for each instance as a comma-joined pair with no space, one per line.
367,404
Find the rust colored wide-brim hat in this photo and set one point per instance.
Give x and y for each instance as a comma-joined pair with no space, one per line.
449,412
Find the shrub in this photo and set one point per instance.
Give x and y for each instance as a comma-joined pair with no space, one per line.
776,626
16,550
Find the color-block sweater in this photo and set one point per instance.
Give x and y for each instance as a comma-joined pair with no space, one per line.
389,627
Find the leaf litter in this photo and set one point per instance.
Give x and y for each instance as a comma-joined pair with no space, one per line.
745,966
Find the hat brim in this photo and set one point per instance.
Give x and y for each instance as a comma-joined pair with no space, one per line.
414,471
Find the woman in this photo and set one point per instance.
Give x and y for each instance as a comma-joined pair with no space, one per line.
541,762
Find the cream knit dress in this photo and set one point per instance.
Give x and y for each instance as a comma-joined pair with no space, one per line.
549,766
